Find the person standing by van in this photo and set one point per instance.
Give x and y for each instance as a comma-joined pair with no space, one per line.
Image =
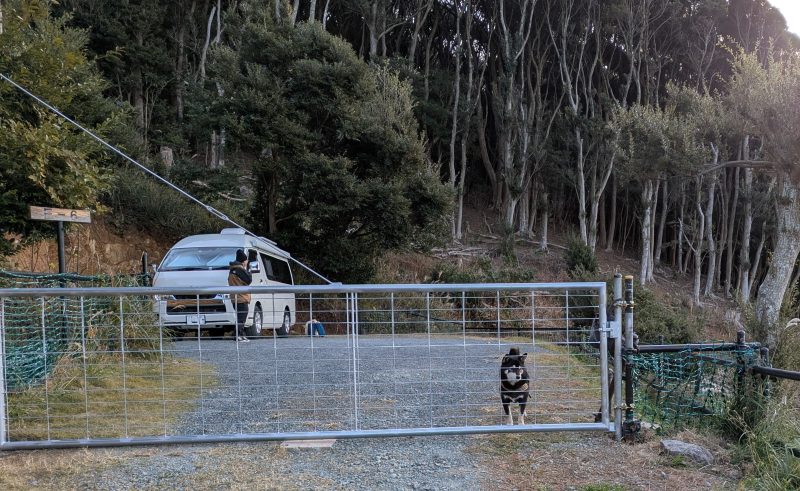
238,275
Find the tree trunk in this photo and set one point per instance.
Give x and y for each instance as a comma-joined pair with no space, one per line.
427,76
754,268
662,223
729,239
545,218
419,21
712,246
681,231
784,255
613,221
647,199
312,10
744,245
325,15
456,101
204,52
698,243
653,204
582,218
278,10
295,9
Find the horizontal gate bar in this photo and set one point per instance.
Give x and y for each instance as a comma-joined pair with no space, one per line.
310,435
334,288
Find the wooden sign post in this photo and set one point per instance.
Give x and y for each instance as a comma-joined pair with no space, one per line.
60,215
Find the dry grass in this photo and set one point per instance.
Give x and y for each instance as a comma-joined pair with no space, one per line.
112,400
221,466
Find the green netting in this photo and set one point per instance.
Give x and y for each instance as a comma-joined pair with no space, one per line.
39,331
671,388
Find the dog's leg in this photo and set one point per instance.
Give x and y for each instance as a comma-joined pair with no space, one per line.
522,412
507,420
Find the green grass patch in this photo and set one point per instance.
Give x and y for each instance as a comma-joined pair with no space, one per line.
102,397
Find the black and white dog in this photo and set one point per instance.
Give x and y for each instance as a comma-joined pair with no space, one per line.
514,384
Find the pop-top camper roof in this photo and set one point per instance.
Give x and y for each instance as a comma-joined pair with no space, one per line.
231,237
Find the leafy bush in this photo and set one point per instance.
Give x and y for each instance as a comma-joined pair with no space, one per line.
482,272
653,319
581,261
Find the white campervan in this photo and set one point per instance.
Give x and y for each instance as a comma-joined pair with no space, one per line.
202,261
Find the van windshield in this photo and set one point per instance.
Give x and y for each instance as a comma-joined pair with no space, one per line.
199,258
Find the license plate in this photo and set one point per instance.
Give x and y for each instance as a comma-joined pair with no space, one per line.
195,319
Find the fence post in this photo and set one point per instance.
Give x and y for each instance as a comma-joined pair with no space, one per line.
765,381
631,426
3,422
740,368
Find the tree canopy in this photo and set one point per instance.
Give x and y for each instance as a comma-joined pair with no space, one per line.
347,128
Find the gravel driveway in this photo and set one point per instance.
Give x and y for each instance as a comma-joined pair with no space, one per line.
304,384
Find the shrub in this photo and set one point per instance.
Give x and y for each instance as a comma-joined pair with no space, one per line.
653,319
581,261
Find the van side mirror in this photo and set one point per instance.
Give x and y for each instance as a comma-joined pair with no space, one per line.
254,268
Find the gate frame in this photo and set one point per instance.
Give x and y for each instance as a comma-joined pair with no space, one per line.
607,329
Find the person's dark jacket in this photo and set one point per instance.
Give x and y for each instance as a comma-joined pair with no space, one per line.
239,276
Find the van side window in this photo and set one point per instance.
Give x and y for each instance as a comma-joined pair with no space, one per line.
267,265
276,269
282,271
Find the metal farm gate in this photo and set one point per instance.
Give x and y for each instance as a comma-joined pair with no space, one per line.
95,367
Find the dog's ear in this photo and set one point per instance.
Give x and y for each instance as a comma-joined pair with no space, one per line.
506,360
523,357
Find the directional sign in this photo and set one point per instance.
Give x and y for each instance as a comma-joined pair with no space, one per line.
60,214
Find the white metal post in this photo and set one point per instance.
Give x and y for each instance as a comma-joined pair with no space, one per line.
3,391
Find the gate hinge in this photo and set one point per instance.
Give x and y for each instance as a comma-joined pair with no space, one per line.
614,329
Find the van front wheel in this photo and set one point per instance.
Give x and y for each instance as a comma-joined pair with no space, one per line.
258,323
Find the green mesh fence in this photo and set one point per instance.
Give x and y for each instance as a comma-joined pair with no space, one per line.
671,388
39,331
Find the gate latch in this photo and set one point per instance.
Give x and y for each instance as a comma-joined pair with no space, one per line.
614,329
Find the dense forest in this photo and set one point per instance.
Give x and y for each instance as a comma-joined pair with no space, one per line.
346,128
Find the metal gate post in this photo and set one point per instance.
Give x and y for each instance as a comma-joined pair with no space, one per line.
601,302
3,421
618,358
631,425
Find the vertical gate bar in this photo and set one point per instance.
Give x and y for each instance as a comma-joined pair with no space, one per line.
124,376
601,303
83,361
430,362
497,300
161,357
202,392
276,401
569,345
240,332
394,356
464,338
533,352
618,358
354,330
313,361
3,388
628,349
44,376
566,317
348,327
